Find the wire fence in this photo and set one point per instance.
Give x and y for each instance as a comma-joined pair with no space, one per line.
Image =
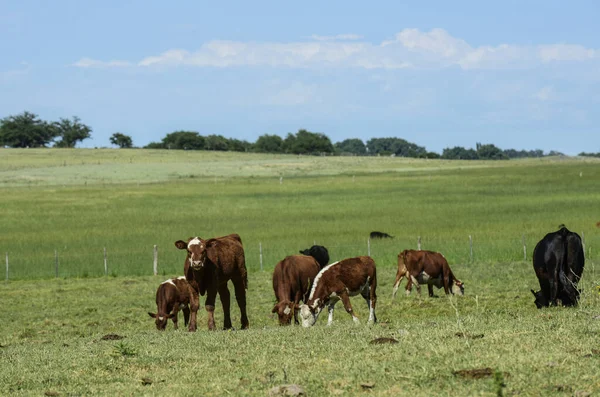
262,256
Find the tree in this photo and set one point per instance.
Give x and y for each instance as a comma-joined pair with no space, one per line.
121,140
26,130
216,142
354,146
71,132
187,140
459,153
235,145
269,144
397,146
490,152
306,142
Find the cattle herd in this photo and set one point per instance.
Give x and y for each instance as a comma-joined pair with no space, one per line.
558,261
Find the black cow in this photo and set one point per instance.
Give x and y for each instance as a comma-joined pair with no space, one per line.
318,252
558,261
379,235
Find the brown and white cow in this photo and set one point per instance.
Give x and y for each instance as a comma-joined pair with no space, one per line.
292,279
172,295
426,267
341,280
209,265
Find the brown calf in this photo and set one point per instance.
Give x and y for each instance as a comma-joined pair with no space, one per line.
426,267
292,279
172,295
209,265
341,280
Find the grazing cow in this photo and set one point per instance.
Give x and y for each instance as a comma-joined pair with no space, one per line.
292,279
318,252
209,265
172,295
558,261
426,267
379,235
341,280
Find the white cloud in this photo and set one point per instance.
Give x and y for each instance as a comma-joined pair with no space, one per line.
92,63
410,48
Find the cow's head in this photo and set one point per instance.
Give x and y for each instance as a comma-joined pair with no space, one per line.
285,311
196,249
161,320
308,315
458,288
540,300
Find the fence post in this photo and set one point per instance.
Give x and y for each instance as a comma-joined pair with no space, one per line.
7,266
260,254
105,263
369,247
155,260
56,263
524,248
419,243
471,247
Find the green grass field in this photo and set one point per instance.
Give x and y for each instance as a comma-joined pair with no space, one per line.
78,202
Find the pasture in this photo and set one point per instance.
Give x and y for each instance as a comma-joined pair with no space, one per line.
71,204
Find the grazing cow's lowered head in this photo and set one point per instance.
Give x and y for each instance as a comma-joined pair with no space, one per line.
309,315
285,311
161,319
196,250
540,300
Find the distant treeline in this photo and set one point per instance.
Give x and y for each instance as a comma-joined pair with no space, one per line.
27,130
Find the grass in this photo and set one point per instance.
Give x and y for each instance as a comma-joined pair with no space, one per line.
78,202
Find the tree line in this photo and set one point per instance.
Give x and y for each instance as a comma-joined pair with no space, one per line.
28,130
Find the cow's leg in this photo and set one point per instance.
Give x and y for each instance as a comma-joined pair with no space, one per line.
194,305
430,289
416,283
446,279
175,315
211,296
369,296
330,308
296,301
186,315
348,306
409,284
240,297
399,278
225,297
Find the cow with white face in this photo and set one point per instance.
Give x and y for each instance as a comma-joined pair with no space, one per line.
340,281
209,265
292,279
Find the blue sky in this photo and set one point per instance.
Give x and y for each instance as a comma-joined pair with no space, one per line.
519,74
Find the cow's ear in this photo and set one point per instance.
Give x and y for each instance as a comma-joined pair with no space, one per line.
274,309
211,243
182,245
171,315
153,315
533,292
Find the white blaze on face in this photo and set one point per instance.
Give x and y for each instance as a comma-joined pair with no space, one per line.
307,316
287,310
457,290
195,262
